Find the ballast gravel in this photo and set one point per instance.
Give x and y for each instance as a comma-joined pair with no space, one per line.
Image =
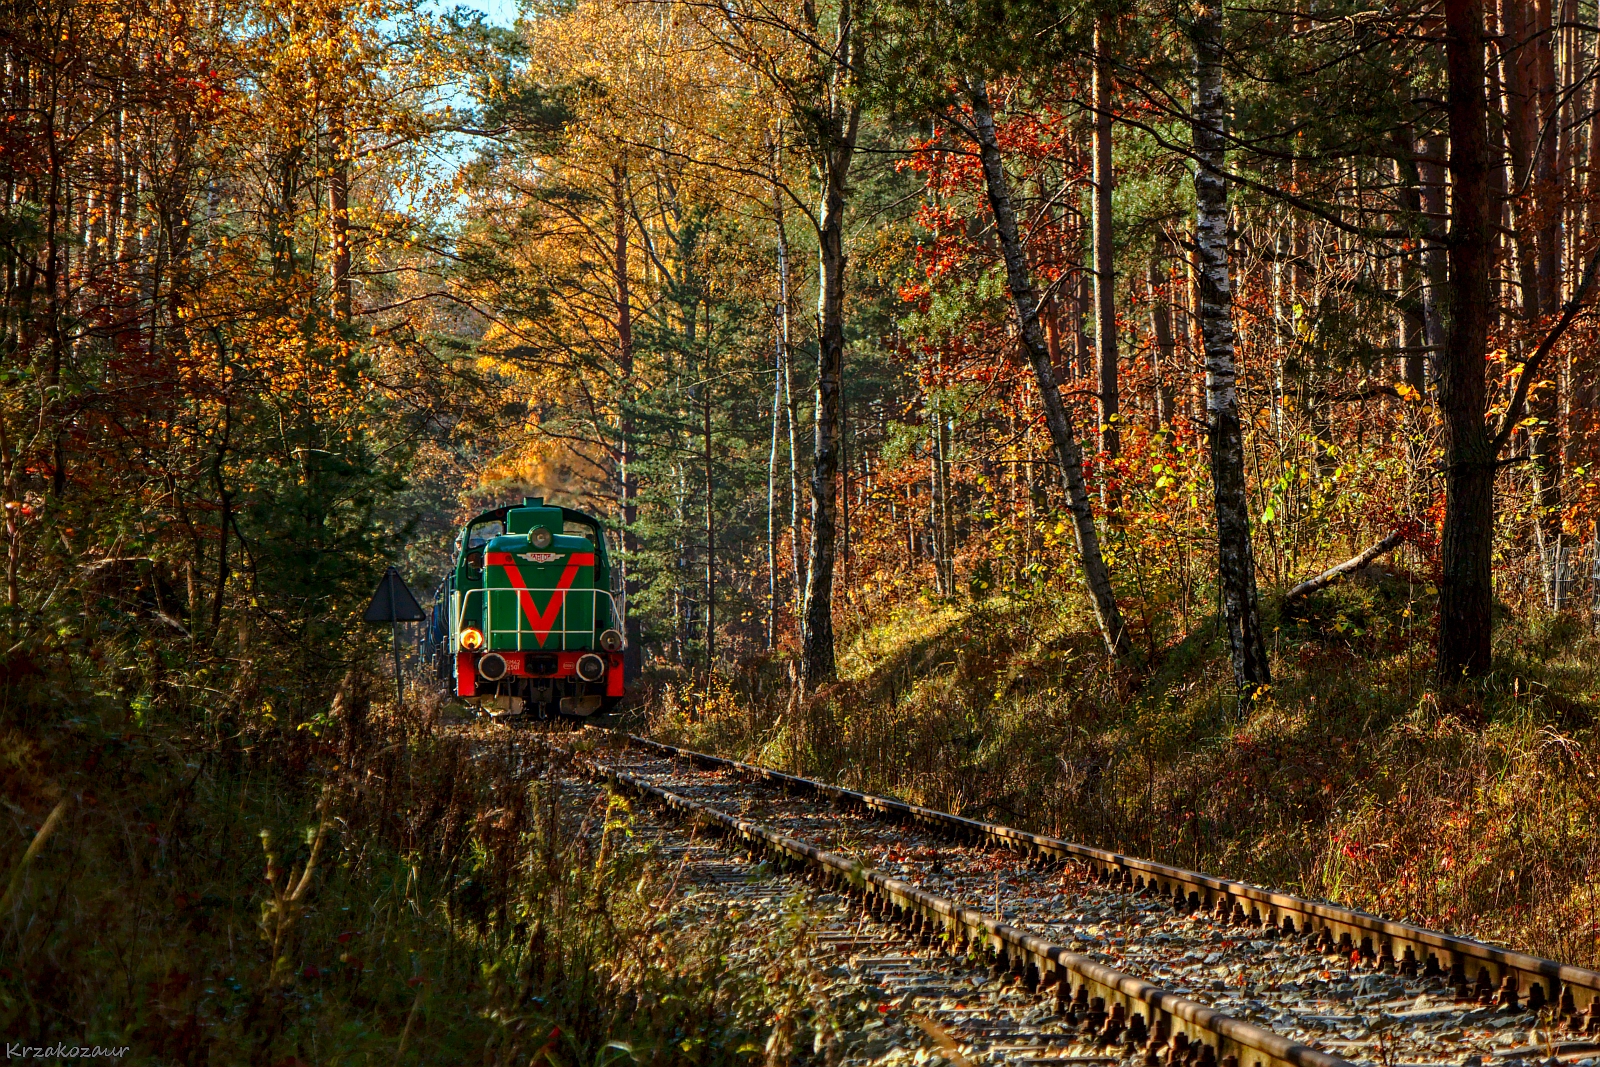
1331,1002
892,1003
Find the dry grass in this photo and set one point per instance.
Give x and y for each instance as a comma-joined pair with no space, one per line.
370,888
1352,779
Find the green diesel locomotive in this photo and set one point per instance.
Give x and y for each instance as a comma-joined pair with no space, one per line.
525,624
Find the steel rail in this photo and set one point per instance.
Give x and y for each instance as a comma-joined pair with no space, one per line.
1474,968
1117,1005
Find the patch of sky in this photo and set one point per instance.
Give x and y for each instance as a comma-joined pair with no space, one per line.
450,152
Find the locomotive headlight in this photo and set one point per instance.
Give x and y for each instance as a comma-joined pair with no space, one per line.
540,538
471,639
591,668
611,641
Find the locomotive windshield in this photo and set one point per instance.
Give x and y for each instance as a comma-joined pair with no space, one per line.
480,533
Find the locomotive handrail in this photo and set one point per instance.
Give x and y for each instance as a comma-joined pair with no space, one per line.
462,602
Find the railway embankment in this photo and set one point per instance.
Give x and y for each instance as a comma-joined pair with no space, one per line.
203,882
1353,778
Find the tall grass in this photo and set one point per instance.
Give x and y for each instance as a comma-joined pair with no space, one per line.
370,889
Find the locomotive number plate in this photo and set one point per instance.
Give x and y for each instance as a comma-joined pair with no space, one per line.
541,557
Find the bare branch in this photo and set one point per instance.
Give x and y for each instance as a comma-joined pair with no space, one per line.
1354,563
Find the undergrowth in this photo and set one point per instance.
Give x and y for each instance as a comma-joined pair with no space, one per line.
1352,779
369,889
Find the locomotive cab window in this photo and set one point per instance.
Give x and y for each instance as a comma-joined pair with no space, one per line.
478,535
483,532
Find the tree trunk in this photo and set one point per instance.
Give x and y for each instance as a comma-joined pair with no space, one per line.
1083,351
772,483
1349,566
791,402
1413,336
911,530
844,484
633,650
1592,179
779,372
1499,191
1522,136
711,532
1105,278
1546,173
55,292
1544,403
1466,593
1413,319
1434,260
681,607
947,524
1235,559
936,500
1056,416
816,634
280,216
9,497
224,508
1197,347
1165,345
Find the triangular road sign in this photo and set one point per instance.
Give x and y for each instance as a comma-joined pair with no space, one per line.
393,602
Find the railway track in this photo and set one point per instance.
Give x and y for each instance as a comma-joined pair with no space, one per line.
1136,959
887,995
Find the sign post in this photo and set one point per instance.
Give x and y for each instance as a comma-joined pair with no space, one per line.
393,603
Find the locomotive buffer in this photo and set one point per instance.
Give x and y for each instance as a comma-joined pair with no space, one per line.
393,603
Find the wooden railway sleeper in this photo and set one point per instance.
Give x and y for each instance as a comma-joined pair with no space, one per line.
1538,993
1325,922
1232,1036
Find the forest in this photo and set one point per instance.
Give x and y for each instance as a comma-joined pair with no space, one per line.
1167,423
